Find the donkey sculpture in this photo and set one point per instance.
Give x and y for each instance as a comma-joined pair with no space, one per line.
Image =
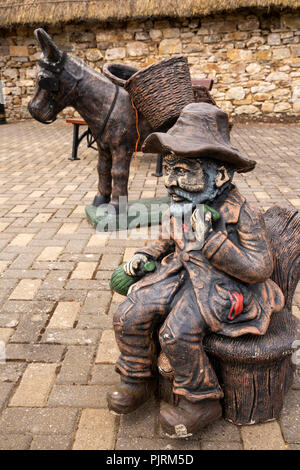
62,81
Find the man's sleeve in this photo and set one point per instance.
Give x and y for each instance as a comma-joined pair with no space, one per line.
248,257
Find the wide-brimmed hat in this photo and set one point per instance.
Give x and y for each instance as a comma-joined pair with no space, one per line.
201,131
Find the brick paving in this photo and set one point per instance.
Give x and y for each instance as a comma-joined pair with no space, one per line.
56,307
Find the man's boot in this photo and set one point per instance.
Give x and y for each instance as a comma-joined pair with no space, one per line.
127,397
187,418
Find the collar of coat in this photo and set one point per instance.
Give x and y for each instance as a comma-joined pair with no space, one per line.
229,205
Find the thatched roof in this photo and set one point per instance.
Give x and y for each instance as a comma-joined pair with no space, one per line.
17,12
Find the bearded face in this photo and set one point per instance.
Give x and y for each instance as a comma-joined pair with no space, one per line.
194,181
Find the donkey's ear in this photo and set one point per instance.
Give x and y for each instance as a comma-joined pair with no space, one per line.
49,49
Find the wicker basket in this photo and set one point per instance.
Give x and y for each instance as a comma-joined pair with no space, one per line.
118,73
161,90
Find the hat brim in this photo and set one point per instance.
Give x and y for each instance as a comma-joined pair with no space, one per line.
159,142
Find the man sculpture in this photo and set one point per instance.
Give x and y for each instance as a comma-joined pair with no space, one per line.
212,274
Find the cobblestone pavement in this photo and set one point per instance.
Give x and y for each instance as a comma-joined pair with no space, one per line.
56,307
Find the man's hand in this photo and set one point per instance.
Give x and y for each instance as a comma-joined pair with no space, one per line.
135,265
202,224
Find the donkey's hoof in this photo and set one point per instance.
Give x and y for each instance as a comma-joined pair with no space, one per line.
100,199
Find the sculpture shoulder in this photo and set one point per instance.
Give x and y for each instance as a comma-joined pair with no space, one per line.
251,218
237,210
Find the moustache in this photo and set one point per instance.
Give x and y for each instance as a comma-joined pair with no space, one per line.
182,193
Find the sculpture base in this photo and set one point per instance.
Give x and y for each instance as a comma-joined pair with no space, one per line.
139,213
255,372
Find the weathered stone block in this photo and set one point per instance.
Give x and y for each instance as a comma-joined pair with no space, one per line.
281,53
296,94
261,96
282,107
295,51
267,107
225,106
18,51
170,33
115,53
296,107
155,34
106,36
192,48
263,87
26,83
277,76
265,54
211,38
170,46
247,109
235,93
253,69
93,55
249,23
239,55
10,73
274,39
137,49
141,36
255,42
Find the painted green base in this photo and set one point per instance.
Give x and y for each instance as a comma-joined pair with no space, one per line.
140,213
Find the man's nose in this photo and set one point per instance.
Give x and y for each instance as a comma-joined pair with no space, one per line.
171,181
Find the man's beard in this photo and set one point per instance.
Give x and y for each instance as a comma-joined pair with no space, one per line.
191,199
181,209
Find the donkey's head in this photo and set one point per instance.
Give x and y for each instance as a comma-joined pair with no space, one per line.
57,78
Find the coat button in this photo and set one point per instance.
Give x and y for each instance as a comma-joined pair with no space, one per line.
185,257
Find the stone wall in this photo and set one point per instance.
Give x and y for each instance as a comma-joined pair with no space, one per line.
253,58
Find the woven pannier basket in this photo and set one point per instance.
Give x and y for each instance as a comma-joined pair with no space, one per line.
118,73
161,90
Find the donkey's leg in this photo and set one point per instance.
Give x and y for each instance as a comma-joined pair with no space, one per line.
120,174
104,179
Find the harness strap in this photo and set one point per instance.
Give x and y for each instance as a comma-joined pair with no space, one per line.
112,106
138,133
57,69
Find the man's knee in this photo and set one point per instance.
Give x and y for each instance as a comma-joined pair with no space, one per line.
135,315
177,331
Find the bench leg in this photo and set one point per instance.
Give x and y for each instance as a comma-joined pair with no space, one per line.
158,171
75,143
2,114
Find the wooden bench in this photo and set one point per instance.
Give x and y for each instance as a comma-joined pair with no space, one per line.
2,114
198,86
77,122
